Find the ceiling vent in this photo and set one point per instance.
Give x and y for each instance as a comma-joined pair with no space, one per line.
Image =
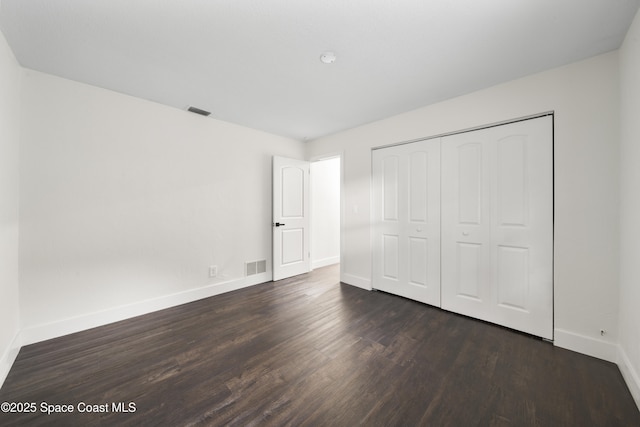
199,111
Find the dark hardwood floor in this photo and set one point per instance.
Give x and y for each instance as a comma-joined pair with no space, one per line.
311,351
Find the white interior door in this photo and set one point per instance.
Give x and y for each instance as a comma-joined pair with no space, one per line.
497,225
406,220
290,217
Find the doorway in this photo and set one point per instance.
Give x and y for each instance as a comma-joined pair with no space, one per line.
325,211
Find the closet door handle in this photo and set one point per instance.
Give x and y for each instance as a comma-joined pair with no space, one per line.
278,224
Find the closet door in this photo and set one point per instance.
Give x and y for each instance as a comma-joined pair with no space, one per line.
497,225
406,220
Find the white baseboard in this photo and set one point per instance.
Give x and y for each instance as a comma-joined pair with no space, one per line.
629,374
9,357
37,333
356,281
586,345
325,262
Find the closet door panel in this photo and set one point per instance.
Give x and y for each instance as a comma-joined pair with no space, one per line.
406,211
466,226
497,198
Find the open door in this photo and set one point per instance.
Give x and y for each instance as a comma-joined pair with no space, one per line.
290,217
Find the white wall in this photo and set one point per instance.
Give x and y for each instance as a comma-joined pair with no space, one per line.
10,80
325,212
125,203
585,98
630,209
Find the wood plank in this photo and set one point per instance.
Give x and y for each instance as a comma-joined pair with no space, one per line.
309,350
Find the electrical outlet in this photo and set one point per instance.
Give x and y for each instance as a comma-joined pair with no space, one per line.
213,271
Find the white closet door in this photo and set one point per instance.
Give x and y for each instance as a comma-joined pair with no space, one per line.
406,220
497,225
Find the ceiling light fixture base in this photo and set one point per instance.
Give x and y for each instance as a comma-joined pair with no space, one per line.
328,57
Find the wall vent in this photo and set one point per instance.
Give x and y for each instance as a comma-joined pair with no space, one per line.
255,267
261,266
198,111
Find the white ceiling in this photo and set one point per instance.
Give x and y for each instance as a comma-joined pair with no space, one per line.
257,62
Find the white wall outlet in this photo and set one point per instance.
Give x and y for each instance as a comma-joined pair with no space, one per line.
213,271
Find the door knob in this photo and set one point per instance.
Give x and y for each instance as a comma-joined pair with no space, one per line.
278,224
